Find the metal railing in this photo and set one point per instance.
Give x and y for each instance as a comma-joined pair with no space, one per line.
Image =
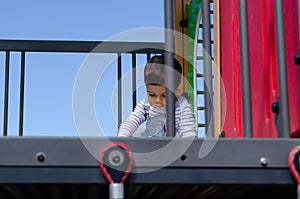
32,46
281,65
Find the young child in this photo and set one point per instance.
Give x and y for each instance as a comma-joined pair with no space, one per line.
153,109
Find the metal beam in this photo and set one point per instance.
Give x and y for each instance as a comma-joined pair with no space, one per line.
80,46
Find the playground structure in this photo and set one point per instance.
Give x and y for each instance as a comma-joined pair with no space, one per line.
235,109
254,104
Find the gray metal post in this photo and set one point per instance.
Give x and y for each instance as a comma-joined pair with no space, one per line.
169,47
133,81
246,90
119,88
22,87
209,120
6,94
281,65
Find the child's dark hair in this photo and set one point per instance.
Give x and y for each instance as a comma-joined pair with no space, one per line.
154,72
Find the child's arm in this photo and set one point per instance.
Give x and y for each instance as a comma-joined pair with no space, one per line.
187,127
137,117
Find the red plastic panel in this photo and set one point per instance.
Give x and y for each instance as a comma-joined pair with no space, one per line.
263,68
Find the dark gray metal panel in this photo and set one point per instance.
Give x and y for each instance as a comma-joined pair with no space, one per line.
67,160
15,151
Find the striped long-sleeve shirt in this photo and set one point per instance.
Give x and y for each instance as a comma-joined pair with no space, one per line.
184,118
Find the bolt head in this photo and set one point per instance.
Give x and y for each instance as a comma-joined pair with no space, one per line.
40,157
116,158
264,161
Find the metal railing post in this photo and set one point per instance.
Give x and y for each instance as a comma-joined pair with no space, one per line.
169,49
246,89
284,115
6,94
22,87
209,120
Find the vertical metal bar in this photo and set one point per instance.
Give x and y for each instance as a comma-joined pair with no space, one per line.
169,62
133,80
298,191
148,56
282,76
119,88
22,83
246,92
209,120
6,93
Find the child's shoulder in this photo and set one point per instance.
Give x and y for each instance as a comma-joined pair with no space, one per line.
183,103
182,99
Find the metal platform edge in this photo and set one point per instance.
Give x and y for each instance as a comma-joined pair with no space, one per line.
73,160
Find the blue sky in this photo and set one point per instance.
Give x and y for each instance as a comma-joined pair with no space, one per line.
77,20
50,77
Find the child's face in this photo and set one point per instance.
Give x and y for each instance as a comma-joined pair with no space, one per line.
156,96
